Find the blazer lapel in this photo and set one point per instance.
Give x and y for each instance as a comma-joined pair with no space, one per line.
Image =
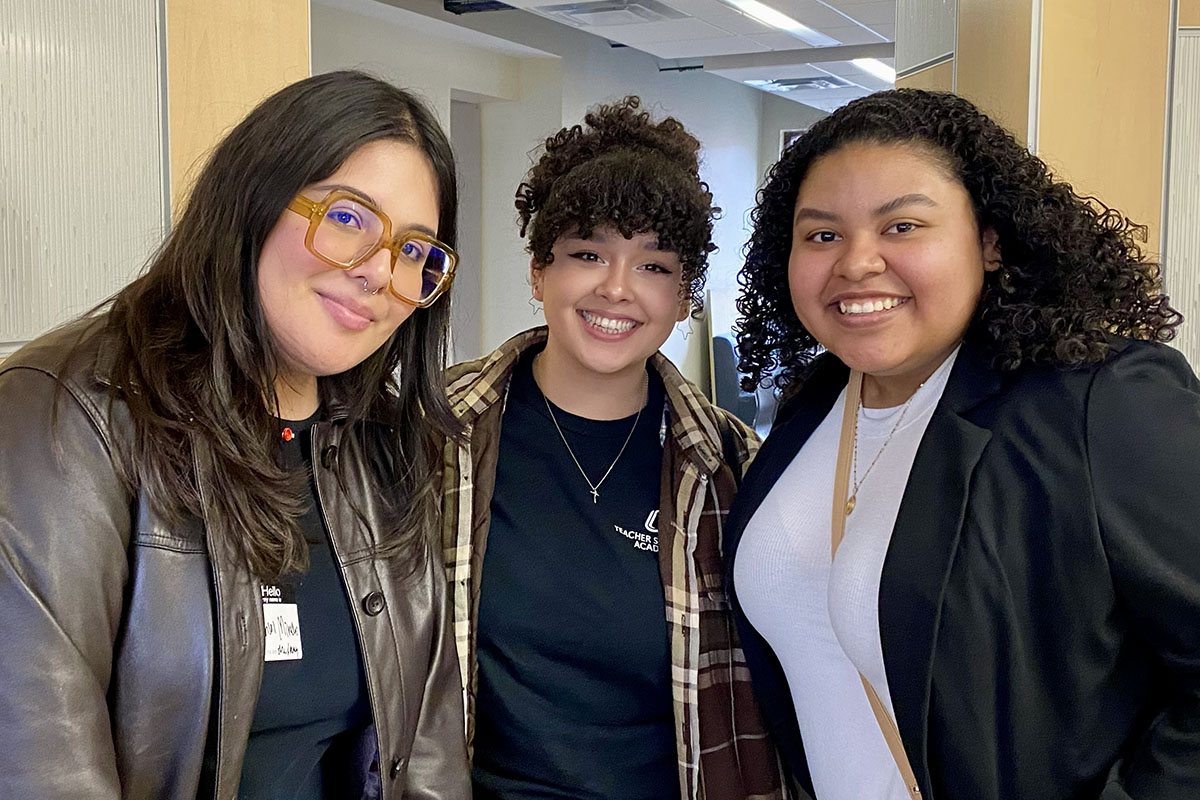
924,541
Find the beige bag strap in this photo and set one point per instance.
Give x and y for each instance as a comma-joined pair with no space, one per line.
841,490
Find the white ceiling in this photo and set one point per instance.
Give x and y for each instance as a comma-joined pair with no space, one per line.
422,24
703,30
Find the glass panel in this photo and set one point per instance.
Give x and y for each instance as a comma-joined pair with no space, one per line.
81,157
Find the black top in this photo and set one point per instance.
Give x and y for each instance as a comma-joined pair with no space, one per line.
306,703
574,697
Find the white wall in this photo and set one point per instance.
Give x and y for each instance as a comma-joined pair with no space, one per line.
385,43
523,99
779,115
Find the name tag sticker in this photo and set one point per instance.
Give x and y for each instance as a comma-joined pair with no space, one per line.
281,624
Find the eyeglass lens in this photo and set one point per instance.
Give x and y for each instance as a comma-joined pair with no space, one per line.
349,231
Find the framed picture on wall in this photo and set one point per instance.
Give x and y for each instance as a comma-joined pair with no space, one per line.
787,136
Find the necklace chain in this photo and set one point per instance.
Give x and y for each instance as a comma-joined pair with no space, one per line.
853,499
595,487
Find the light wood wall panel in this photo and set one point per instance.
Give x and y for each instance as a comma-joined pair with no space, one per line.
993,59
1189,13
223,57
1103,101
81,156
938,78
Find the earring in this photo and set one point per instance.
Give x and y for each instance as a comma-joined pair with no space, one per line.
537,309
686,332
1005,280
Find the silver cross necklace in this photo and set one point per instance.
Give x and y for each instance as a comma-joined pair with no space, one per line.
595,487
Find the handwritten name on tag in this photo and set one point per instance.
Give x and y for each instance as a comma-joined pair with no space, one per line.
281,624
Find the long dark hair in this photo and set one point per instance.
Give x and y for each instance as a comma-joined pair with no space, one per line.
1072,275
195,362
624,169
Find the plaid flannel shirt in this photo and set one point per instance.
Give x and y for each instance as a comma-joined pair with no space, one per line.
723,750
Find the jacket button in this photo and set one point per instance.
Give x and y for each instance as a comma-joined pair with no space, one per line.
327,456
397,768
373,603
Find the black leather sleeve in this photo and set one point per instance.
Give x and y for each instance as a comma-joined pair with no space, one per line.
1143,430
64,529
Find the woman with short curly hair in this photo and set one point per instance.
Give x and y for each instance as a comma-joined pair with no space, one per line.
981,425
594,635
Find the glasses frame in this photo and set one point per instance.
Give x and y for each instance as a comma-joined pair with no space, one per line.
315,212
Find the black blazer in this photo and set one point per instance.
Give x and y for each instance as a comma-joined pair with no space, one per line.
1040,599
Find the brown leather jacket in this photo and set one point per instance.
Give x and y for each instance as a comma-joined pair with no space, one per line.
131,650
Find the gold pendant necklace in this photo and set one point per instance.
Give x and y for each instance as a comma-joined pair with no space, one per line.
853,499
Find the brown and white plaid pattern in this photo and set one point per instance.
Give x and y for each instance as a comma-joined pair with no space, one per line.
724,752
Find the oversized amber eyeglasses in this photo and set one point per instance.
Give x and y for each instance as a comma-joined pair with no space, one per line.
344,231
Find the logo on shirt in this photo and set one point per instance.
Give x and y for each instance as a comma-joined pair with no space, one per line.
640,539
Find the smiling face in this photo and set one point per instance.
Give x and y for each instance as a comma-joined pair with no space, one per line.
887,263
321,320
610,302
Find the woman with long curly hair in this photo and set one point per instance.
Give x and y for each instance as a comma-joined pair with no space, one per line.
966,563
216,574
583,507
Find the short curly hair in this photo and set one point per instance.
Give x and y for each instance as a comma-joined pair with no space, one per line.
622,169
1072,272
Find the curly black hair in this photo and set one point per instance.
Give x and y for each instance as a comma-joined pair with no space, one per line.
1072,275
627,171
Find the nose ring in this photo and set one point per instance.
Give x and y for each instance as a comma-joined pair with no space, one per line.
364,280
368,291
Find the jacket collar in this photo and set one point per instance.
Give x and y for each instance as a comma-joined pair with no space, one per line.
473,387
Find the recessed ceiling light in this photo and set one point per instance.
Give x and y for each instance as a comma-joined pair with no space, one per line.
777,19
873,66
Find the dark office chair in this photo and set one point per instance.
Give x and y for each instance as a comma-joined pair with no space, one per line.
726,392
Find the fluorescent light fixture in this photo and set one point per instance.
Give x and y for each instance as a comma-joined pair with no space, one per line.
873,66
777,19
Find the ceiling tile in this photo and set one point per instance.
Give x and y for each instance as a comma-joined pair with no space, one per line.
810,12
873,13
853,34
846,5
675,30
727,46
780,41
850,72
722,16
769,73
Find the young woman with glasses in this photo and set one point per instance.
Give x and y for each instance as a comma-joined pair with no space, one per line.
966,561
584,505
214,507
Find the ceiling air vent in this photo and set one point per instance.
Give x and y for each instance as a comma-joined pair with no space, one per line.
792,84
610,12
472,6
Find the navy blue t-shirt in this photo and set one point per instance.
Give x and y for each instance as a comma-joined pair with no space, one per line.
307,704
574,695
